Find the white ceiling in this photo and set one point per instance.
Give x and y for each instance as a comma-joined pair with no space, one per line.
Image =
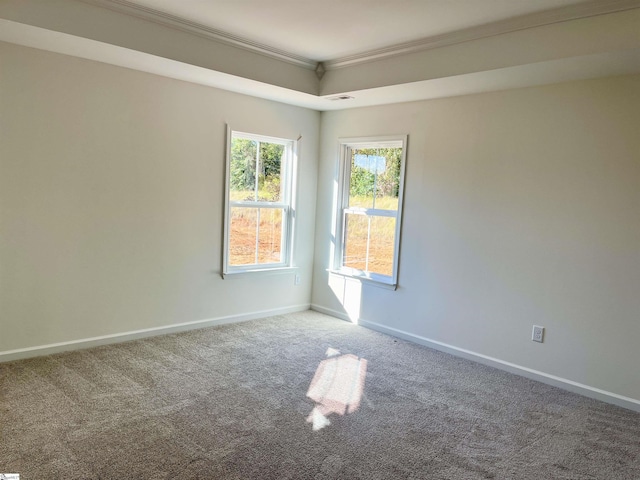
377,51
331,29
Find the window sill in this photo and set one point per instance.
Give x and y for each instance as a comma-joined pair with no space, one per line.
259,272
387,285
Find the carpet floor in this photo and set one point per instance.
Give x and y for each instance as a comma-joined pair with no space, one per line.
299,396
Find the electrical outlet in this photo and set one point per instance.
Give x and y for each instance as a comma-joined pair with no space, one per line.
538,334
296,280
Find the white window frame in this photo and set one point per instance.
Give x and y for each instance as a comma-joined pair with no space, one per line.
346,146
288,180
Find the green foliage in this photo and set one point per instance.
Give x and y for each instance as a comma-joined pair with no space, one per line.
272,187
364,181
243,164
243,168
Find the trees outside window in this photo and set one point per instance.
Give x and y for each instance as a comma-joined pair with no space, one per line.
370,207
259,219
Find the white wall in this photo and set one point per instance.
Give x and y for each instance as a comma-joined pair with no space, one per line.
521,208
111,200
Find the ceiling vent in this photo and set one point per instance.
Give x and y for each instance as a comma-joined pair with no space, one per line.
340,97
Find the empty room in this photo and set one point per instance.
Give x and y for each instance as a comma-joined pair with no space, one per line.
350,239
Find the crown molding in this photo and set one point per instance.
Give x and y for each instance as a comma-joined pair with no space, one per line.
172,21
522,22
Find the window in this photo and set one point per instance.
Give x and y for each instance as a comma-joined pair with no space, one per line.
259,203
369,213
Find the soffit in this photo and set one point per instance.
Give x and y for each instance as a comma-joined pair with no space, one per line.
332,29
578,40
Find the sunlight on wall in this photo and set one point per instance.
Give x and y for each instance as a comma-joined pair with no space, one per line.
348,292
334,234
337,387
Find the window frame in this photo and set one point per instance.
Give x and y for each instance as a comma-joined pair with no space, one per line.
287,204
346,146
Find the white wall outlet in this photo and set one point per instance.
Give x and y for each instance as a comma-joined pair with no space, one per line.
538,334
296,280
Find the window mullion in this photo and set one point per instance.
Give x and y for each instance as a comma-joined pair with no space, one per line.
343,243
284,232
372,212
258,204
366,263
257,236
255,192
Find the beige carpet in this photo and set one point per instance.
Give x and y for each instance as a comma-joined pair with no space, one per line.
301,396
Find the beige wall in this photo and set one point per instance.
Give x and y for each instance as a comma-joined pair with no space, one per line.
522,207
111,200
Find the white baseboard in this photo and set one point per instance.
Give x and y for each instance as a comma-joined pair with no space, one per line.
565,384
330,312
40,350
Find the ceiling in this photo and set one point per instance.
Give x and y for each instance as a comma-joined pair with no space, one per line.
332,29
308,53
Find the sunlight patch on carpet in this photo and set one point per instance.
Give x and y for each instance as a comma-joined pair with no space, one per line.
336,387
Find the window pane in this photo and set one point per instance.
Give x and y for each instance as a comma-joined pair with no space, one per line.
255,170
243,235
355,241
363,178
269,176
375,178
270,242
381,245
369,243
249,245
242,171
